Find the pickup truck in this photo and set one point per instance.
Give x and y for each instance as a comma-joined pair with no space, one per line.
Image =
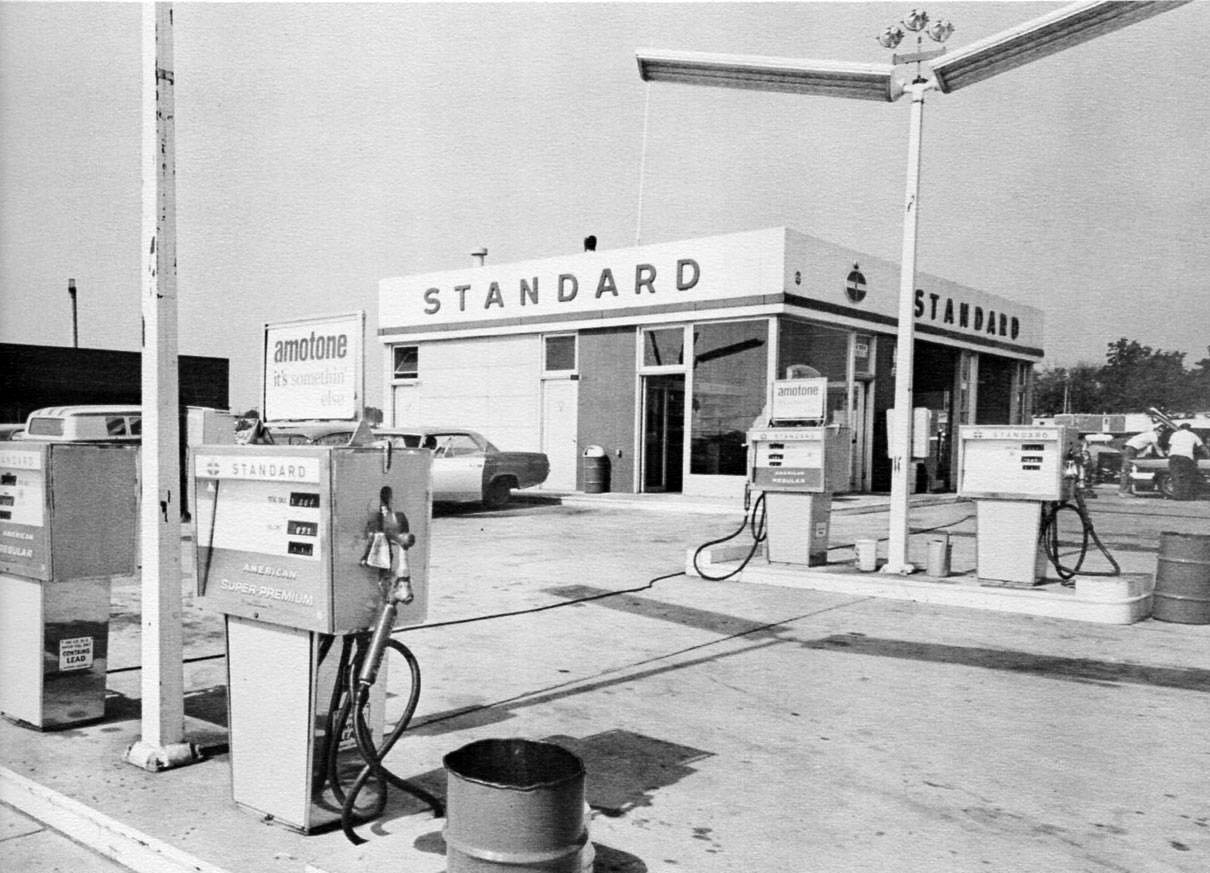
1152,474
467,467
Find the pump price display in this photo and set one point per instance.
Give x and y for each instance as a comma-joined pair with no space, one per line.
1012,463
266,518
22,493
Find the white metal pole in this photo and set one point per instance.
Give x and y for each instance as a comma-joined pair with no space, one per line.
901,438
163,704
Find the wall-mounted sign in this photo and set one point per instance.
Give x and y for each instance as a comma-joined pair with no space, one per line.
854,285
314,369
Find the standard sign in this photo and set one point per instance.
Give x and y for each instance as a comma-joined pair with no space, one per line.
799,399
314,369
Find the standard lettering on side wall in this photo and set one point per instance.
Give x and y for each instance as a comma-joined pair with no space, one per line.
962,315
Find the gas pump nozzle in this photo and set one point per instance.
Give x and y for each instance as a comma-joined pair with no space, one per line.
401,592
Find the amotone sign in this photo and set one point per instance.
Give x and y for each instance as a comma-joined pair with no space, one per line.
314,369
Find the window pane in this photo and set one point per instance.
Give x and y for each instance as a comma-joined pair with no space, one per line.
663,347
560,353
728,394
45,427
407,362
826,349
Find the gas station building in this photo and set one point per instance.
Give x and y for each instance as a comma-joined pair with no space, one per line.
662,355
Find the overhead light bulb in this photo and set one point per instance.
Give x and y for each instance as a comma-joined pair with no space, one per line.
891,37
940,30
916,20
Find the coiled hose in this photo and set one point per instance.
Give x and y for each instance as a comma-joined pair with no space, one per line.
1049,535
754,516
349,701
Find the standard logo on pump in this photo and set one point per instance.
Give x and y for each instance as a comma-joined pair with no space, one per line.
278,468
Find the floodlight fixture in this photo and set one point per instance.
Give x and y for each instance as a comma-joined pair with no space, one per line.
1043,36
891,37
940,30
789,75
916,20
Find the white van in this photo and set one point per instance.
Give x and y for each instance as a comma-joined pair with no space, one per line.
84,423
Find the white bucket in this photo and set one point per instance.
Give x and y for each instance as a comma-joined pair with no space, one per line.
867,555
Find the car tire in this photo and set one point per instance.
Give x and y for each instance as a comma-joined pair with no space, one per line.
1163,484
497,494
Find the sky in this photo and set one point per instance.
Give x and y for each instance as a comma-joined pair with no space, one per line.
323,147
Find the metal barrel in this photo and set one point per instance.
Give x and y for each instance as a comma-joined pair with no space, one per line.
1182,579
596,474
515,805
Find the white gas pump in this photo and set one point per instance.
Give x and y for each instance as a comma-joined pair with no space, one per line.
305,549
1011,472
798,463
68,521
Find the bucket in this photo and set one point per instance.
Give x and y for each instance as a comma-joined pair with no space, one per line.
939,557
867,555
515,805
1182,579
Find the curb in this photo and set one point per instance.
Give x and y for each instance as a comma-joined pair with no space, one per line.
96,831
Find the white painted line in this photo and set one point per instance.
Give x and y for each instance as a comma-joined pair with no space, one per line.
97,831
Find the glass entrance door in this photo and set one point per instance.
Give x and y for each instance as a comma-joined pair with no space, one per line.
663,432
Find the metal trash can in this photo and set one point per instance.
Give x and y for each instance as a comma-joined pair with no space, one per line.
515,805
595,466
1182,579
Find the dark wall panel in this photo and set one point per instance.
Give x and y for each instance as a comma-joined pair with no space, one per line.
35,376
606,415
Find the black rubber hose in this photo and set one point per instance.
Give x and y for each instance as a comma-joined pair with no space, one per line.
1049,535
751,516
374,756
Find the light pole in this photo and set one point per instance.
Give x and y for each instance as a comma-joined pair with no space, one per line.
1033,40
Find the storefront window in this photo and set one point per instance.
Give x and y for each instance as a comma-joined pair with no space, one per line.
664,347
729,368
824,348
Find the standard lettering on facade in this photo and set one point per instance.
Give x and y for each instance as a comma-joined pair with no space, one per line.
567,287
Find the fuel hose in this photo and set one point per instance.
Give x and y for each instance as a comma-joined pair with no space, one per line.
1049,535
350,699
754,517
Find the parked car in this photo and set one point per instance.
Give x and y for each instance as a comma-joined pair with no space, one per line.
1151,474
84,423
332,433
467,467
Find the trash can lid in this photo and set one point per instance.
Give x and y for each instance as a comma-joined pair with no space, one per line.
594,452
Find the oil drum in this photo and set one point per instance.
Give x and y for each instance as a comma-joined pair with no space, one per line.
1182,579
515,805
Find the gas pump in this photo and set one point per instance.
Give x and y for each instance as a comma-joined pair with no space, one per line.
314,554
1011,472
68,521
798,463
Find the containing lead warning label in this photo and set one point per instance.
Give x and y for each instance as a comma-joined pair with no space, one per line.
75,653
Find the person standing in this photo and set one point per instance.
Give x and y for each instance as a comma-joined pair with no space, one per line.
1141,445
1183,450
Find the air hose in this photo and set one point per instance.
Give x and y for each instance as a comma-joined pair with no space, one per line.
350,698
754,517
1049,536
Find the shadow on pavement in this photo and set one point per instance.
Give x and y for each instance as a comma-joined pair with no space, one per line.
1048,666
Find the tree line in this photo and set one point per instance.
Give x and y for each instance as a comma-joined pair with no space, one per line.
1133,378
